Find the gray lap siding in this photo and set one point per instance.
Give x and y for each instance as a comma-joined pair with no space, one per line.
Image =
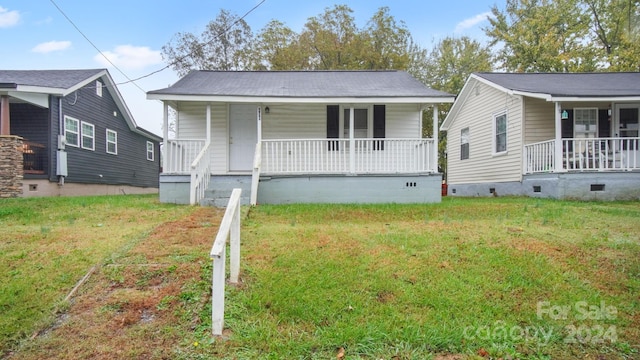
128,167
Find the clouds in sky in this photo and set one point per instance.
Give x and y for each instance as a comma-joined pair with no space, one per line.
130,57
51,46
471,22
8,18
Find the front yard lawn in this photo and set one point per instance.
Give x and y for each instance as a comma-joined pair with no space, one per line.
464,279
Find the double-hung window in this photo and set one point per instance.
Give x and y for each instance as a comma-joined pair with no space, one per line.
585,122
464,143
360,123
88,136
150,151
500,133
112,142
72,131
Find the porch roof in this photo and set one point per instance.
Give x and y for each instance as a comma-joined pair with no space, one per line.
569,85
300,85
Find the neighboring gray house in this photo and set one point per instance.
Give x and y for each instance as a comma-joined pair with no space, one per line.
558,135
79,137
286,137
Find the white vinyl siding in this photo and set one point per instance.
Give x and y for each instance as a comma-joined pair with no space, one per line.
477,113
539,121
191,124
88,136
72,131
284,121
112,142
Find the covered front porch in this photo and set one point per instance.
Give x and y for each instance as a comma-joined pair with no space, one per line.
589,136
405,161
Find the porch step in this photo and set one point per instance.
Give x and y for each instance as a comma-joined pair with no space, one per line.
220,188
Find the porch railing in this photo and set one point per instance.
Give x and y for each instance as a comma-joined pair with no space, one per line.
200,174
584,154
344,156
179,155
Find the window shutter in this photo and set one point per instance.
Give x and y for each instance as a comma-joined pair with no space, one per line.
333,125
379,120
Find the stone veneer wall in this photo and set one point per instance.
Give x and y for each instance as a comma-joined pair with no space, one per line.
11,170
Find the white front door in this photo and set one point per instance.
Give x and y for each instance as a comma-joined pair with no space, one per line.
243,136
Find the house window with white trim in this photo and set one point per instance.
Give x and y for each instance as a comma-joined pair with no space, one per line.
464,143
150,151
99,88
500,133
112,142
585,122
72,131
88,136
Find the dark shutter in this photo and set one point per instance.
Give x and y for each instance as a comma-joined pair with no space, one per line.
379,120
567,129
333,126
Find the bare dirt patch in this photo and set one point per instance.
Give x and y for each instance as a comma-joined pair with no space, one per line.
131,308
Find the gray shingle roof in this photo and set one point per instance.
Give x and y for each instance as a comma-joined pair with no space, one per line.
569,84
60,79
300,84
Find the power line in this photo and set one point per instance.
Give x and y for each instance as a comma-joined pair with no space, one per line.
189,54
129,80
94,46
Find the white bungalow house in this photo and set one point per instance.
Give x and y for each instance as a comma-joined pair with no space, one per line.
558,135
287,137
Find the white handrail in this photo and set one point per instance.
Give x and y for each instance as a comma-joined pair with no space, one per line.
200,174
229,228
255,176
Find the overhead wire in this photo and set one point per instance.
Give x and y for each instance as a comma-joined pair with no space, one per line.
129,80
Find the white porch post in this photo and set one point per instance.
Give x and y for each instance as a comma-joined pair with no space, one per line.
352,142
165,135
436,129
259,121
208,124
558,142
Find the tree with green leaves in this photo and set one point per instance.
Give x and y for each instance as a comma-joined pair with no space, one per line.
566,35
222,46
447,67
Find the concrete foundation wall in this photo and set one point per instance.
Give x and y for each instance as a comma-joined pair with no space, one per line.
174,189
351,189
570,186
34,188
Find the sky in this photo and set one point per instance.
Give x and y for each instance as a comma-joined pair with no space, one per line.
79,34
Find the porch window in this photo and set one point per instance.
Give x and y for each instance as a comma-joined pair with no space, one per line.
150,151
72,131
500,133
112,142
464,143
585,122
88,136
360,124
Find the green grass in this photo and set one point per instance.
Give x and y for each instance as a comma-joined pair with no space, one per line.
464,277
48,244
411,281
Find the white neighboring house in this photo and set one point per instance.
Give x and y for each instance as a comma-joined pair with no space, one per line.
558,135
287,137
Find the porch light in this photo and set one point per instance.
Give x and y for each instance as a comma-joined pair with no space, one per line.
564,115
266,110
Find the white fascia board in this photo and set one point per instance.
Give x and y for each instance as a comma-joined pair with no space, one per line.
37,99
40,90
81,84
303,100
595,99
